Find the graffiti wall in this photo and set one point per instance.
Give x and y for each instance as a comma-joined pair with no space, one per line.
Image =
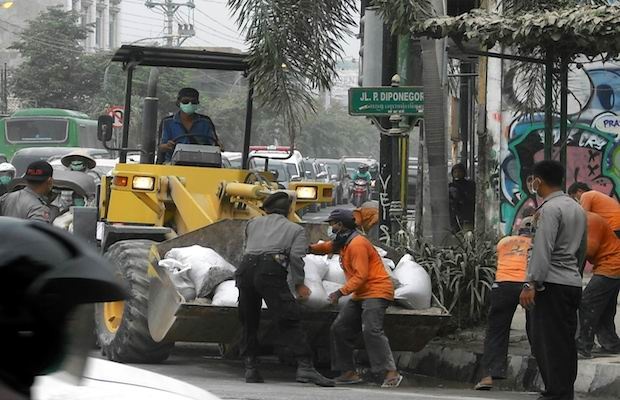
593,144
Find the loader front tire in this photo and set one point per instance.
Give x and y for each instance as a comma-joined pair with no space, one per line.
122,327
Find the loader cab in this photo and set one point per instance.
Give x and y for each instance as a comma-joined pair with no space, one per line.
133,57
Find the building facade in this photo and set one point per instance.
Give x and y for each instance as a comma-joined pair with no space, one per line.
104,17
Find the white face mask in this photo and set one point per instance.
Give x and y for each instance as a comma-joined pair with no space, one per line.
533,189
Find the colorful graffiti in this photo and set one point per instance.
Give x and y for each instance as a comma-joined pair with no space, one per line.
593,144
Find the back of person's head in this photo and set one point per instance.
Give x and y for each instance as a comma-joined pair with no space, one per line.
526,227
38,173
44,274
551,172
577,186
277,203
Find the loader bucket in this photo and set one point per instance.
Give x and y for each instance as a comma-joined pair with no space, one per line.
172,319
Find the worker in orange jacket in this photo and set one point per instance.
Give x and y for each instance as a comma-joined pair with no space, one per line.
372,292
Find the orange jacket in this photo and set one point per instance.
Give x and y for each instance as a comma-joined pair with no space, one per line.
363,268
603,247
366,218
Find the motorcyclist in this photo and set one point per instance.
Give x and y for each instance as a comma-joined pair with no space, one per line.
362,173
45,274
7,173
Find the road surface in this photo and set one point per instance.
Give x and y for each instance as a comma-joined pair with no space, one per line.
200,366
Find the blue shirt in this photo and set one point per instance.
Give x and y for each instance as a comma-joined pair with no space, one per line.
172,128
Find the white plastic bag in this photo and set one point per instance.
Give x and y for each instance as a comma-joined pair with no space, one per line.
315,267
208,269
179,275
381,252
335,272
331,287
416,290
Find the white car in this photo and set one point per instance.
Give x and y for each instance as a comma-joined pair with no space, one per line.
105,380
295,165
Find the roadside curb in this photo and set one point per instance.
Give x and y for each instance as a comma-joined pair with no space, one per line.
599,376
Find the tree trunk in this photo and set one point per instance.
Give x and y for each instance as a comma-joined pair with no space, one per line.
435,138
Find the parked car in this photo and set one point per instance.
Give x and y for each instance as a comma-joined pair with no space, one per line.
234,159
339,177
23,157
295,164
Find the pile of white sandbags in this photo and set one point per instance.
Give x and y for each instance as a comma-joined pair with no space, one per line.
200,272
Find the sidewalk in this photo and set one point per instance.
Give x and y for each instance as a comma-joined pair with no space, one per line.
458,358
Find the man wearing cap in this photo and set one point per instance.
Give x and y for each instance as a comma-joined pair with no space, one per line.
274,251
186,125
30,202
512,252
372,291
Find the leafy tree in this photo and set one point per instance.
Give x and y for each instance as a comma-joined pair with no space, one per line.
55,71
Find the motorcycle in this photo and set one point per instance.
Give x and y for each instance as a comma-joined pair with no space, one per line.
360,192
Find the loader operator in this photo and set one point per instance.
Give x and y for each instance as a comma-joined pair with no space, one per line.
274,249
186,125
31,202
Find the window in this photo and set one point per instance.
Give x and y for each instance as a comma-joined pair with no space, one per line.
41,130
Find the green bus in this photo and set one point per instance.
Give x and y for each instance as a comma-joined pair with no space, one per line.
45,127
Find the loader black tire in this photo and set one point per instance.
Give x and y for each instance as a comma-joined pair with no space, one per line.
131,342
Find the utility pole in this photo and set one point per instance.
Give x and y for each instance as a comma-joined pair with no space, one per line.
172,16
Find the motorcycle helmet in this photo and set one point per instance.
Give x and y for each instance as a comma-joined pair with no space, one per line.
46,274
363,168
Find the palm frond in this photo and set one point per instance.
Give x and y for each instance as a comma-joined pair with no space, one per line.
294,47
399,14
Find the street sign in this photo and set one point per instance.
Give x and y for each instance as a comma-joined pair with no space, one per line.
386,100
117,112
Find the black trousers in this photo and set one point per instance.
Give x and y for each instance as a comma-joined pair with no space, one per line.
504,302
553,328
258,278
597,313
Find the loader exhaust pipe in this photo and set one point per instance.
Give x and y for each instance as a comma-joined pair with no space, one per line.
149,135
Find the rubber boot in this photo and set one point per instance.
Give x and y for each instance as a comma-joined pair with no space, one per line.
251,371
306,373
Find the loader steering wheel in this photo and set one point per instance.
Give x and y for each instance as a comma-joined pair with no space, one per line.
257,177
194,135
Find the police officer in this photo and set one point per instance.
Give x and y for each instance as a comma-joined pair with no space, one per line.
7,173
31,202
274,249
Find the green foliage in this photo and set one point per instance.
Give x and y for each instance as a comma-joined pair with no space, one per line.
55,72
400,14
583,29
294,46
461,274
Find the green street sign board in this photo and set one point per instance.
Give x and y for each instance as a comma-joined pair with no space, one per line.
386,100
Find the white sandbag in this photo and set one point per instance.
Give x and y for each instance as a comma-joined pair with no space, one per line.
315,267
335,273
416,290
226,294
331,287
208,269
179,275
318,296
389,265
381,252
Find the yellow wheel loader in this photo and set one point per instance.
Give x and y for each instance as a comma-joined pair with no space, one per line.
146,209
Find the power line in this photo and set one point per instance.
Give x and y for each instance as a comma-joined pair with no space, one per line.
216,21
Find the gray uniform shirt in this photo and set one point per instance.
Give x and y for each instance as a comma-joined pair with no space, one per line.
559,242
25,204
274,233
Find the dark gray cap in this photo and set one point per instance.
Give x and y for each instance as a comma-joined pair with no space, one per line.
341,215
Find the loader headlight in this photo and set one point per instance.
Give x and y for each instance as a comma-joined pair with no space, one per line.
306,192
143,183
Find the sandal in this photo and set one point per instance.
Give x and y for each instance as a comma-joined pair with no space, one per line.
483,386
392,382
